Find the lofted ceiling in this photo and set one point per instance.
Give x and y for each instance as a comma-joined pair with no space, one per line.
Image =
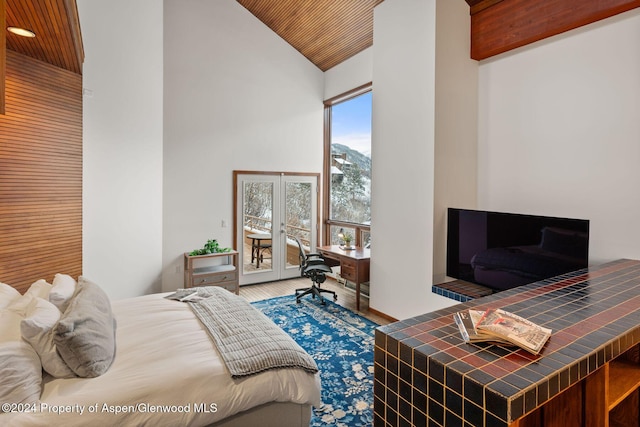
326,32
58,39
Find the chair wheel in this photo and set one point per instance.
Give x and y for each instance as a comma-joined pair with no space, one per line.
335,297
297,300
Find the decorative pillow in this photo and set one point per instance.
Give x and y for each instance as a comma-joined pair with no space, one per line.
7,295
37,330
85,334
64,286
20,368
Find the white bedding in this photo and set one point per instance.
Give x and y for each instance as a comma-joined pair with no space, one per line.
163,357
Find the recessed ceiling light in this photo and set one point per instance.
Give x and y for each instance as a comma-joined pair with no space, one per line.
21,31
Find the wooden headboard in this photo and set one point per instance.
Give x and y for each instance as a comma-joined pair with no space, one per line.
40,173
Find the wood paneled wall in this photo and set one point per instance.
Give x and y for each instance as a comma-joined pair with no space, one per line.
3,44
40,173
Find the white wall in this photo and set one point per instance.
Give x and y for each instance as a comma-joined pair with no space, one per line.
559,132
456,123
403,158
350,74
237,97
122,145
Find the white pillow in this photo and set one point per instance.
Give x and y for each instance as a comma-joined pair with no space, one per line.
9,326
20,305
7,294
39,288
37,330
20,368
64,286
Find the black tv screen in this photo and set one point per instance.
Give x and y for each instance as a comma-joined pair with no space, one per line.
504,250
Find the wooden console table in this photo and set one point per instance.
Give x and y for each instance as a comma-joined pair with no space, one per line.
218,269
588,373
354,264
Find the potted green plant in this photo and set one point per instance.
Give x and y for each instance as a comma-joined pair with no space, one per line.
211,247
347,237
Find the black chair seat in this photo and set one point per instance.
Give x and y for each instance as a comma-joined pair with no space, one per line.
313,267
321,267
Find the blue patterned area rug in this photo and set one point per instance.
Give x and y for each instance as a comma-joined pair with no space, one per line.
341,342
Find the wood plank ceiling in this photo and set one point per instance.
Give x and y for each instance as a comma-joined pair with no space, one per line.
58,38
326,32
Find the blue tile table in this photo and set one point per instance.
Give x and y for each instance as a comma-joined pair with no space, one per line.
588,373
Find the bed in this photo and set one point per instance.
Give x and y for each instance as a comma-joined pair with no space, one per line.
165,371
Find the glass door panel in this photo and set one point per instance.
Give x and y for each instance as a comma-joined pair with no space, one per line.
259,194
272,211
300,210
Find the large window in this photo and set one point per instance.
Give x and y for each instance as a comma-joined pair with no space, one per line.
347,204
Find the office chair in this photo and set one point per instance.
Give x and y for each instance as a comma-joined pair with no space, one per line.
313,267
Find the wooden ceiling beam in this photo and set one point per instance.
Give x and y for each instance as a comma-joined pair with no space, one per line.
476,6
508,24
74,28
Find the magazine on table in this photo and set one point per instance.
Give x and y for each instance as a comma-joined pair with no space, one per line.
185,295
502,327
466,321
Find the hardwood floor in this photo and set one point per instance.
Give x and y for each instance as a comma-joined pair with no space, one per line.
346,297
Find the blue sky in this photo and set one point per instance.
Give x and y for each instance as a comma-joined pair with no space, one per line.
351,123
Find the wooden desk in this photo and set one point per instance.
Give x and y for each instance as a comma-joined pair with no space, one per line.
354,264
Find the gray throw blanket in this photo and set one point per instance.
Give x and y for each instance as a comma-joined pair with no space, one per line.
247,340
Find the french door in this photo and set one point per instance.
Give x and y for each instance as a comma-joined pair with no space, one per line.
271,209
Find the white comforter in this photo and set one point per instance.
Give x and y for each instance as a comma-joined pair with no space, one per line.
166,372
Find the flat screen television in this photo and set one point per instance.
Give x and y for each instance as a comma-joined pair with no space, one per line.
503,250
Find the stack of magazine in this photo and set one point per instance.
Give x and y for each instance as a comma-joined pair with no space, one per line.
501,327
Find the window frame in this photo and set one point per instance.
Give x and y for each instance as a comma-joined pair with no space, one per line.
360,229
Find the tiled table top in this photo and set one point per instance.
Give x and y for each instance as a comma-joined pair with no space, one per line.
460,290
594,314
